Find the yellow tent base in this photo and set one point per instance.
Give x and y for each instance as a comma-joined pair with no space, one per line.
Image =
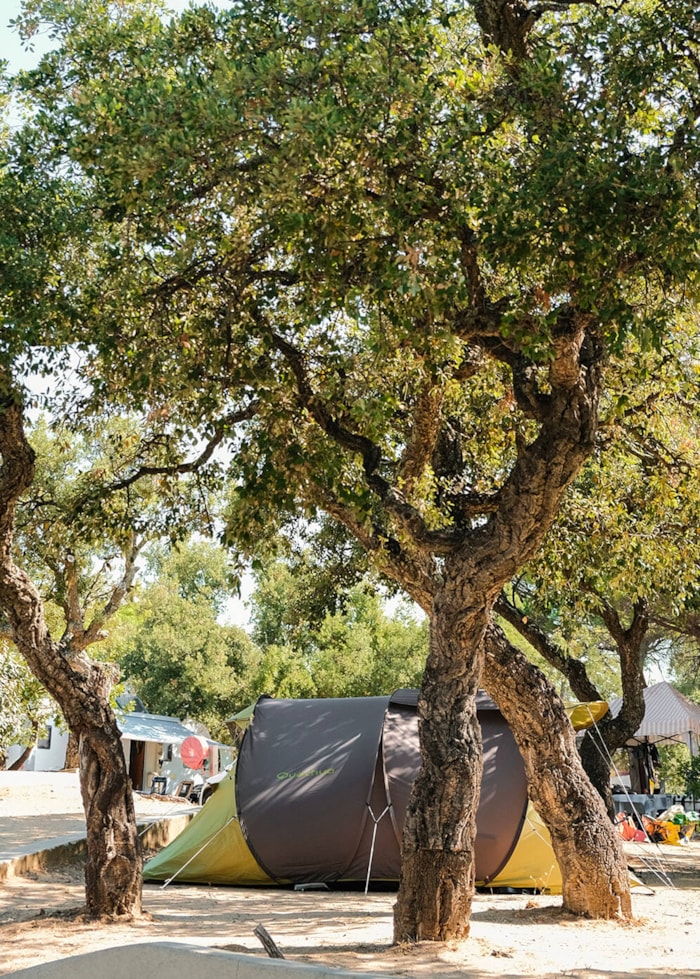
211,849
532,864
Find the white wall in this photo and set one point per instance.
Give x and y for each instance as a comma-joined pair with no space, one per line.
156,760
51,759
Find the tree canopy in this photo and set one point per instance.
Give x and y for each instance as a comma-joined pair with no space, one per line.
359,221
173,651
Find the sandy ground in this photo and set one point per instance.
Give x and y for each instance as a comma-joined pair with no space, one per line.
512,935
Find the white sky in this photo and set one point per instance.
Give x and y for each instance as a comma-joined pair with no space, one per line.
11,47
13,50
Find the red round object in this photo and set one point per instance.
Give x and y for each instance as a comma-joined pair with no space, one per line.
194,751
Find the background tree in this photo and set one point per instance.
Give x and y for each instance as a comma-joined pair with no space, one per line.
359,650
173,650
304,574
686,665
386,251
363,651
25,708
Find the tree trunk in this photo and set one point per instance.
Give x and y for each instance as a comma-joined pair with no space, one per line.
437,872
610,733
81,688
437,880
596,765
587,848
113,869
18,762
72,759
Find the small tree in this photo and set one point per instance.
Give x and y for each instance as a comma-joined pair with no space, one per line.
87,520
80,686
25,708
84,529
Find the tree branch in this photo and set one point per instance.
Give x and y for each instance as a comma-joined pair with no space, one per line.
507,23
94,632
413,573
19,600
67,580
628,640
182,468
438,542
424,433
572,669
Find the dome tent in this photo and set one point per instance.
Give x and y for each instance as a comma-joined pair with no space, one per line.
319,794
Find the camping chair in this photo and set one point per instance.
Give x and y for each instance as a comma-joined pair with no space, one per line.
184,788
158,785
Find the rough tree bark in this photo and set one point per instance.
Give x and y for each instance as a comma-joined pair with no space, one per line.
437,867
81,688
610,733
72,759
588,850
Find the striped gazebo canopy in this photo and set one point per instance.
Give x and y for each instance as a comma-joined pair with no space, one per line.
668,716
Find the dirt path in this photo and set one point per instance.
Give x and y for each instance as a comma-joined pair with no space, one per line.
513,935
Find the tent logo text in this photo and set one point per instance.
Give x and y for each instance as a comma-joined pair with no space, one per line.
282,776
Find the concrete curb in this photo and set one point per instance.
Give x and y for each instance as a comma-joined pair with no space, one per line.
159,833
157,959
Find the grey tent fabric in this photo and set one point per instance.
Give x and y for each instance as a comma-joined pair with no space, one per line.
303,780
401,758
503,802
323,785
